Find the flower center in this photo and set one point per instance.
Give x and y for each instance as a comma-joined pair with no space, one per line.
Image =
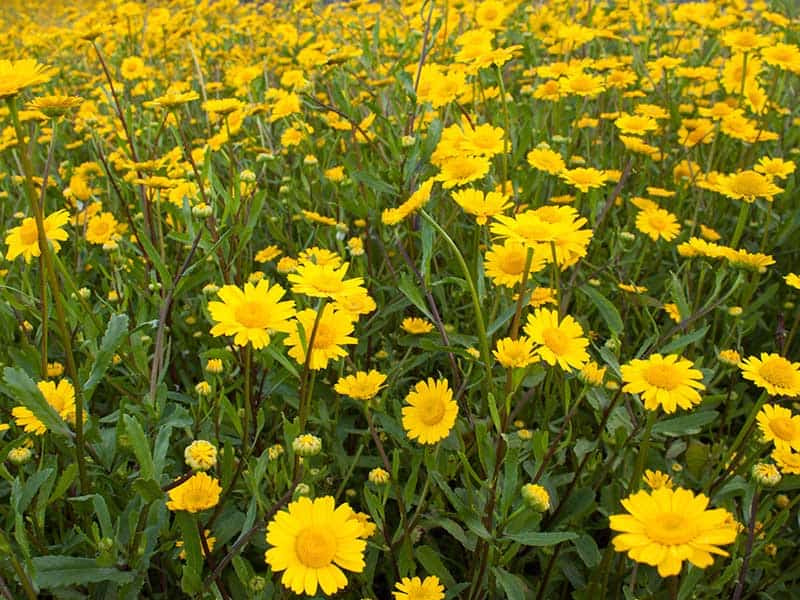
777,371
251,315
28,233
662,376
783,428
555,339
315,547
671,529
748,184
514,264
431,411
324,338
327,282
658,221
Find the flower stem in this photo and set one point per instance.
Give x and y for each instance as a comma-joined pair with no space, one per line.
744,211
635,481
476,302
44,250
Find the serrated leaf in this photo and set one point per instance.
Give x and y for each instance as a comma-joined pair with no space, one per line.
22,389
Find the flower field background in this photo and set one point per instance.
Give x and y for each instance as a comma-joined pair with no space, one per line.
419,300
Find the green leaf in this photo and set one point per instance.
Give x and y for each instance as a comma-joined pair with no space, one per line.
411,292
116,330
514,586
679,297
685,340
542,538
607,310
62,571
371,181
148,489
21,388
140,446
66,479
686,424
187,523
588,550
431,560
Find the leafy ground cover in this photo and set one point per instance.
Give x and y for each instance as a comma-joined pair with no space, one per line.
420,300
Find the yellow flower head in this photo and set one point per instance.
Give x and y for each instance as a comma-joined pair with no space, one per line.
481,206
431,411
665,527
414,588
24,239
658,223
16,75
200,455
657,479
362,385
560,342
333,332
198,493
251,314
773,373
512,353
312,541
778,425
416,326
324,281
61,397
666,381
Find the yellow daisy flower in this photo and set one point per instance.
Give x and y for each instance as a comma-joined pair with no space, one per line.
778,425
198,493
431,413
333,332
560,342
773,373
666,381
362,385
416,326
312,541
61,397
251,314
414,588
666,527
24,239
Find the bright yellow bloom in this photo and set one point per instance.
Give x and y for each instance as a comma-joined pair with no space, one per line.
200,455
793,280
584,178
61,397
666,381
788,461
416,326
773,373
666,527
546,160
24,239
312,541
482,205
505,263
414,588
512,353
747,186
198,493
656,480
361,385
102,228
17,75
251,314
431,413
658,223
461,170
560,342
333,332
324,281
778,425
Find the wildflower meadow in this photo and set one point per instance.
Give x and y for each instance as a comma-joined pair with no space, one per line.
419,300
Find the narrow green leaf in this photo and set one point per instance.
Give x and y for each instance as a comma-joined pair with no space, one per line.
685,340
514,586
115,332
685,424
431,560
140,446
410,291
62,571
607,310
542,538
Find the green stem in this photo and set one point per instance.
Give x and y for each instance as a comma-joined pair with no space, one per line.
644,448
44,250
476,303
744,211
